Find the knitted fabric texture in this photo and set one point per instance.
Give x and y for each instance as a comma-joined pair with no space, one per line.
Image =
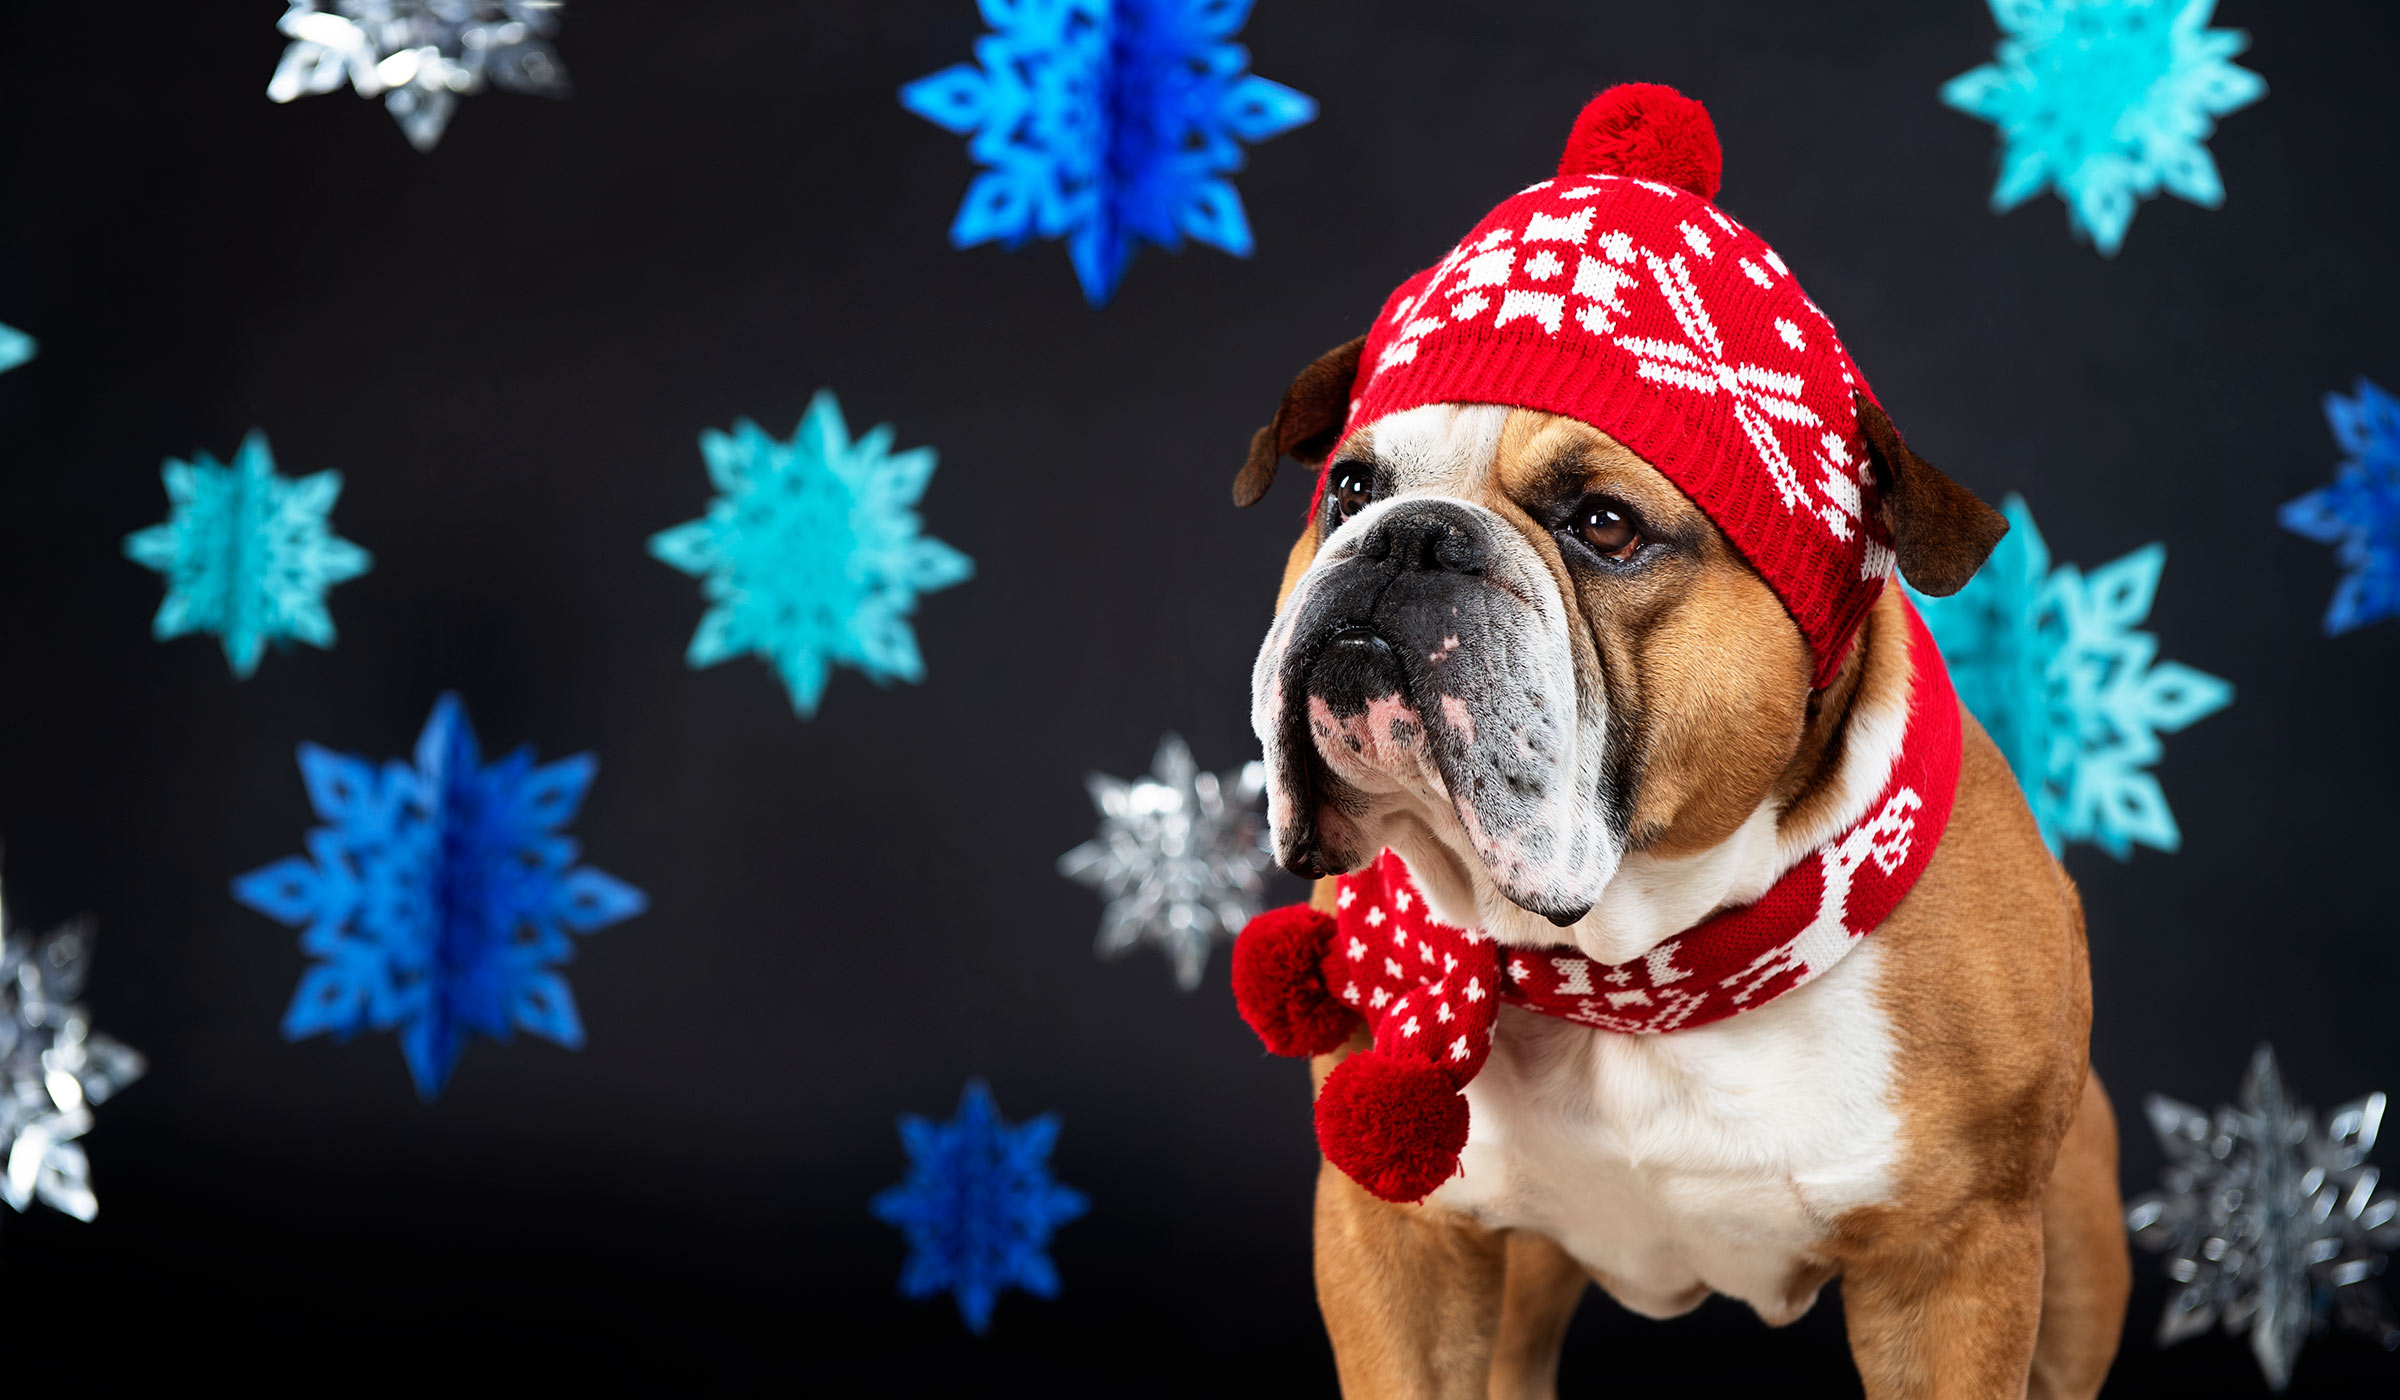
1430,993
1619,295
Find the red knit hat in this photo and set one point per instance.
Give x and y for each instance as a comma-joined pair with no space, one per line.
1619,295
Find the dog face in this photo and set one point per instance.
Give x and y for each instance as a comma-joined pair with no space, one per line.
1515,653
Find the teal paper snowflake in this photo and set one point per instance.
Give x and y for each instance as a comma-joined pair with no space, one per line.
2359,514
439,896
811,554
16,347
978,1206
1108,123
2107,102
2051,662
248,554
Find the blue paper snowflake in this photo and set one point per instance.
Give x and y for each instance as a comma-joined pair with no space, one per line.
439,896
248,554
811,552
16,347
1107,123
2072,693
2359,514
2107,102
978,1206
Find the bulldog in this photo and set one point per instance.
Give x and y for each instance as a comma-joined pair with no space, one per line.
1585,670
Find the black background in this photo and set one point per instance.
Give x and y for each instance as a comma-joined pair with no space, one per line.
509,347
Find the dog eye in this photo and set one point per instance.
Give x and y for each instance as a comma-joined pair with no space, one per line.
1612,531
1351,491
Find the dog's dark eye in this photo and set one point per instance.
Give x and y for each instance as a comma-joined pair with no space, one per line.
1609,529
1351,491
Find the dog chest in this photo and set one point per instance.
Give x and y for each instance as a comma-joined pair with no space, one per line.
1713,1159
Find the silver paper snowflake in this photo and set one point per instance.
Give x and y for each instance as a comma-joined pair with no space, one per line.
2270,1223
419,56
52,1070
1180,857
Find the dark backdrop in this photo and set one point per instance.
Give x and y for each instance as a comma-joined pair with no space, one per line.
509,347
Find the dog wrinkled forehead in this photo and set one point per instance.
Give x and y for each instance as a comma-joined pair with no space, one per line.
1515,461
1447,449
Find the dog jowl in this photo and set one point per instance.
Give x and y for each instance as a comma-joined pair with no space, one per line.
1418,689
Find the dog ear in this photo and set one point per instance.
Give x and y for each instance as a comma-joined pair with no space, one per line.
1306,425
1941,531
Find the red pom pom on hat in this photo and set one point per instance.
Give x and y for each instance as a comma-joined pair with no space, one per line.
1648,131
1279,982
1395,1126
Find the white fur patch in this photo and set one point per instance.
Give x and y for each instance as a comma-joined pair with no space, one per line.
1439,447
1711,1160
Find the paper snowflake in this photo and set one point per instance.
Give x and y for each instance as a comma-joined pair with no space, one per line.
2073,694
2271,1223
16,347
53,1069
248,554
978,1206
1180,857
1107,123
439,896
812,552
2359,514
2107,102
419,56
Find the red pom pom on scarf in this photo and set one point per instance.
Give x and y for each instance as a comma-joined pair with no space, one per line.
1279,982
1394,1126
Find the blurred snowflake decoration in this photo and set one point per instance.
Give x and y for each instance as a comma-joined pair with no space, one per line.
1108,123
1180,857
16,348
2271,1224
812,553
2107,102
248,554
2359,514
439,896
2070,690
978,1206
419,56
53,1069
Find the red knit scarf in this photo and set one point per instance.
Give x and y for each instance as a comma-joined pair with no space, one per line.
1392,1116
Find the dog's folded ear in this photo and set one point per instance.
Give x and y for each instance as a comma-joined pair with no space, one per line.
1307,424
1940,530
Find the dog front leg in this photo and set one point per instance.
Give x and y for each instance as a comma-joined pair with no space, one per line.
1954,1318
1545,1285
1411,1295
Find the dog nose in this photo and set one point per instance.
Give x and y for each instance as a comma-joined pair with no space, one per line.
1430,536
1355,668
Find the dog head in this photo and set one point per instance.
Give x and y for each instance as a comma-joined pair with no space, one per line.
1514,652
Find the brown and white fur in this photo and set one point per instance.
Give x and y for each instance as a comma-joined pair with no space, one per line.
1919,1121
